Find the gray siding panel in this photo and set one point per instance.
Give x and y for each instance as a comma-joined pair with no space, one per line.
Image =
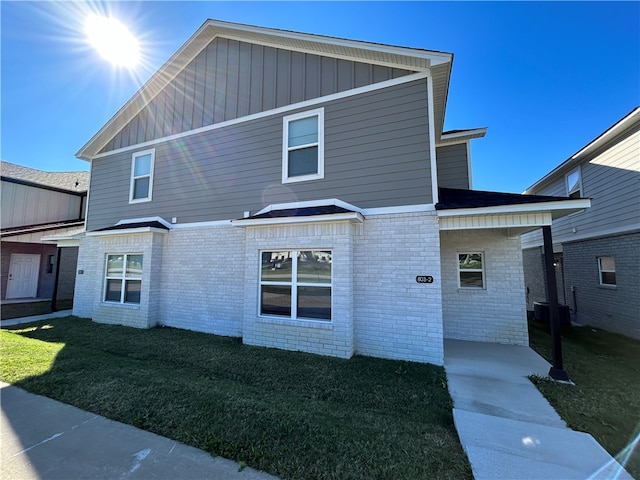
611,178
376,155
231,79
453,166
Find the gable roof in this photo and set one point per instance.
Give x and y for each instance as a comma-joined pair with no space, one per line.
77,182
633,117
397,57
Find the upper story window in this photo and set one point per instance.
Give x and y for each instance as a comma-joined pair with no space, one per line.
471,269
607,269
574,183
303,146
141,176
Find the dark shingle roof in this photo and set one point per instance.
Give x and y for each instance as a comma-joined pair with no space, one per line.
451,198
71,181
126,226
302,212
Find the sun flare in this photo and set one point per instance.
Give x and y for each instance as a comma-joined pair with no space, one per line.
112,40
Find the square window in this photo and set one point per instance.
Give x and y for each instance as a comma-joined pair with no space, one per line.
471,270
141,176
123,279
303,146
296,284
607,270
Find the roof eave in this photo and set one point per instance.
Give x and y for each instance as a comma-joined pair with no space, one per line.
417,60
596,143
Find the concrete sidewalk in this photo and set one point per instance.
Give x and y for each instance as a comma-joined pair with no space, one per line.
9,322
41,438
505,425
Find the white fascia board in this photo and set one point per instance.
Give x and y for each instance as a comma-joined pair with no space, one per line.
559,206
266,113
420,208
213,223
459,137
127,231
434,57
146,219
352,217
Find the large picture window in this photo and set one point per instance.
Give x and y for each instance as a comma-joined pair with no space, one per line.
141,176
123,278
471,269
296,284
303,146
607,270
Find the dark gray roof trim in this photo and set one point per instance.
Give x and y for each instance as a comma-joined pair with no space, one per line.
131,226
453,198
41,227
301,212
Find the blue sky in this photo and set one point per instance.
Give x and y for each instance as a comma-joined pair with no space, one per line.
544,77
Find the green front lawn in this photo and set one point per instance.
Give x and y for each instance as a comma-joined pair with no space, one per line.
291,414
605,401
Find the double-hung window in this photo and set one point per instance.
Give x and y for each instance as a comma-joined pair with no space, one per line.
471,270
123,280
141,176
303,146
296,284
574,183
607,270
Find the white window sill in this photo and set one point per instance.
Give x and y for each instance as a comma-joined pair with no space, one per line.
608,287
130,306
303,178
294,322
471,290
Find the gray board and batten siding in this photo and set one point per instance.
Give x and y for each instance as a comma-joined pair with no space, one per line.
376,155
453,166
230,79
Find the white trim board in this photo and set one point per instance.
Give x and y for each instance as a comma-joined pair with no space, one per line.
266,113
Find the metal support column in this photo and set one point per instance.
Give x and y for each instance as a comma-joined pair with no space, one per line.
557,371
54,295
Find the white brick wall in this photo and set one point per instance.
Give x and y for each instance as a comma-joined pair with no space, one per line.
88,300
202,280
395,317
333,338
497,313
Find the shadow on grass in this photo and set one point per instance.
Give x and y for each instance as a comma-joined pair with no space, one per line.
605,401
291,414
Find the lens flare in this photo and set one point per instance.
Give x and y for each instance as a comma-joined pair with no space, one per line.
112,40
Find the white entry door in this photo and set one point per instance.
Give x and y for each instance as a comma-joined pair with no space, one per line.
23,275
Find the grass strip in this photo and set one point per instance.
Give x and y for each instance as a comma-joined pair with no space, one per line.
605,401
295,415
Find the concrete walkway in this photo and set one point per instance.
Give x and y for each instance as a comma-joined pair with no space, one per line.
507,428
41,438
35,318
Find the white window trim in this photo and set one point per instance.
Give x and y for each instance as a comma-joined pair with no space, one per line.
123,277
294,284
319,112
148,198
481,270
601,271
566,182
